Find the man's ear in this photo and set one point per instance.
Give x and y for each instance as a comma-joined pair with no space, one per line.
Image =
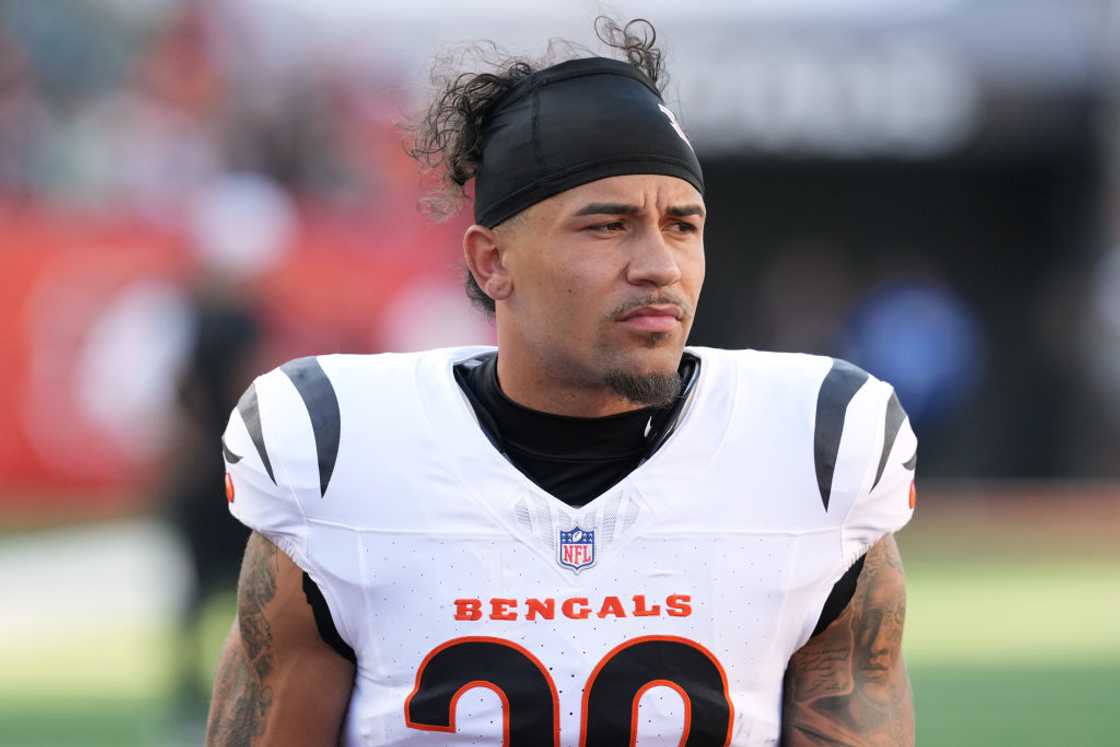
483,254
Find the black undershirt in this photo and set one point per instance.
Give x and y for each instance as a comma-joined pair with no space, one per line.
573,459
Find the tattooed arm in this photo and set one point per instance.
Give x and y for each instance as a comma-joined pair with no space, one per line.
277,682
848,685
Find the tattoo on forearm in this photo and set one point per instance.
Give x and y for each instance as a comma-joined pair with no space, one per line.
242,698
848,686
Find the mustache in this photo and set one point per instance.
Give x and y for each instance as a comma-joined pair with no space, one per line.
661,299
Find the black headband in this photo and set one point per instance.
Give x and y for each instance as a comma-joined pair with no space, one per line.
571,124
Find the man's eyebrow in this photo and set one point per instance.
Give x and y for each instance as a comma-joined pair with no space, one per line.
680,211
620,208
608,208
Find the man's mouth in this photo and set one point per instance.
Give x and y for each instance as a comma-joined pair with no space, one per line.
662,317
876,671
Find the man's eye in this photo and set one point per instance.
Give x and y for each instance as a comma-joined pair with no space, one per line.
685,227
607,227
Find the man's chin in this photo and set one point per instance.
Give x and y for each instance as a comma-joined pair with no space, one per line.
649,381
648,390
645,374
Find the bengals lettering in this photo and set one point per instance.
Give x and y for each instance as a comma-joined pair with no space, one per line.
573,608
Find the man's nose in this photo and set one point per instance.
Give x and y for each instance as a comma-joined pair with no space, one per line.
653,262
882,641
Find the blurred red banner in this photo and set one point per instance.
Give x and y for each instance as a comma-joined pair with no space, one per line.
91,318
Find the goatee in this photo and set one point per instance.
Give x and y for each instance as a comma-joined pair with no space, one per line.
657,390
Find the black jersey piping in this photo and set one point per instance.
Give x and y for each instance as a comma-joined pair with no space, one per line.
839,598
323,620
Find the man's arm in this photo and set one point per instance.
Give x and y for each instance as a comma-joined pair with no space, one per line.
848,685
277,682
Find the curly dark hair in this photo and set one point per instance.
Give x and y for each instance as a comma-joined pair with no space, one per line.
447,139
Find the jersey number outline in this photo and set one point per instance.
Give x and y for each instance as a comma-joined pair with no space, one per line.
609,715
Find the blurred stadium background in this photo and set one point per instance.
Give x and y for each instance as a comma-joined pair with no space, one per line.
192,191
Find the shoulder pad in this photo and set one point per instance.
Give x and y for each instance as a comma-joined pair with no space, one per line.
280,448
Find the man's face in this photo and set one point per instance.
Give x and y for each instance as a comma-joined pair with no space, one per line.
878,642
606,278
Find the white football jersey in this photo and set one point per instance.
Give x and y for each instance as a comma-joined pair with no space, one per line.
485,611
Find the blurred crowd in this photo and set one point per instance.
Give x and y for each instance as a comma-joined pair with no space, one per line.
137,105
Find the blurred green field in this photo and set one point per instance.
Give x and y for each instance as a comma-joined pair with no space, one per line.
1011,640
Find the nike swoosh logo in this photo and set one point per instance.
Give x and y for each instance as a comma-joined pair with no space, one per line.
912,462
229,455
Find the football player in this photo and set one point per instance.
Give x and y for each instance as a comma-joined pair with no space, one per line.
590,534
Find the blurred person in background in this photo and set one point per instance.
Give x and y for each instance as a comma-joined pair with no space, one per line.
590,491
227,331
241,226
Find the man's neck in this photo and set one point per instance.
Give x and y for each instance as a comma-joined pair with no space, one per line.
533,386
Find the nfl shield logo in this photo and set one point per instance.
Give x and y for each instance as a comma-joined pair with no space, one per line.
577,549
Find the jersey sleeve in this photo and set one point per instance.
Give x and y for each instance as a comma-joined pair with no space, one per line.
885,501
254,446
280,448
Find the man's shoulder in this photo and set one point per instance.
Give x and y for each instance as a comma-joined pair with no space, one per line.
311,406
793,372
342,367
811,399
836,435
830,394
323,378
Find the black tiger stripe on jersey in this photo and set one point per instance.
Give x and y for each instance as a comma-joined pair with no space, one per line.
891,427
837,389
319,397
251,414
